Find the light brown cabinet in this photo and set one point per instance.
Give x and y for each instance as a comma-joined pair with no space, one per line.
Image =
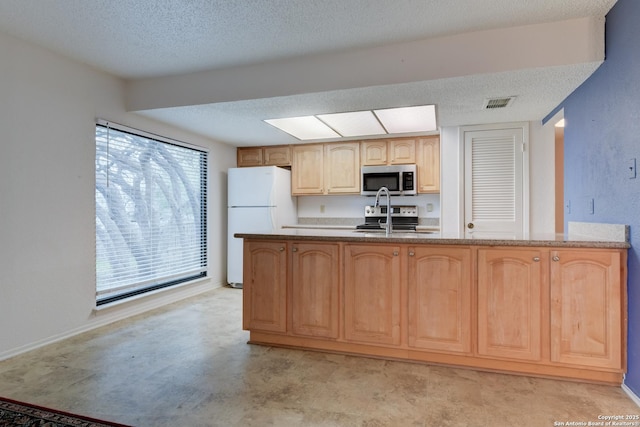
521,309
372,280
265,286
373,152
439,298
315,280
402,151
334,168
325,169
586,308
251,156
307,169
511,291
342,170
277,155
428,164
397,151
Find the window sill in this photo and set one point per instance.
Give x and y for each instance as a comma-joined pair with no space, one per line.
148,297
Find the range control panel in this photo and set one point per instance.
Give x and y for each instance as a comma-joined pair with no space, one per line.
396,211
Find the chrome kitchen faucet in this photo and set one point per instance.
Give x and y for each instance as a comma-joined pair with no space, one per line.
388,226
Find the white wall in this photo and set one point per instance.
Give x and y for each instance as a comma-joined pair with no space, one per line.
48,109
541,180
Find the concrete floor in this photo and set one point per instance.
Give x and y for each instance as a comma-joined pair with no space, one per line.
188,364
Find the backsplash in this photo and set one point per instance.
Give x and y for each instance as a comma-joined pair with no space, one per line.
598,231
345,208
352,222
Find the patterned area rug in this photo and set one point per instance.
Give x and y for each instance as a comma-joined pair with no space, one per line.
14,413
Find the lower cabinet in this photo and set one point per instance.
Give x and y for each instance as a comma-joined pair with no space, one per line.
265,286
439,298
531,310
562,306
372,280
511,290
315,279
587,306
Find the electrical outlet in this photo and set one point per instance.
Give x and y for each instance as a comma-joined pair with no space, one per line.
429,207
321,208
631,168
590,204
567,207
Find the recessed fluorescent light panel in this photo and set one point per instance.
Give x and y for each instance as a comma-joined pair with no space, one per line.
304,128
359,123
356,123
408,119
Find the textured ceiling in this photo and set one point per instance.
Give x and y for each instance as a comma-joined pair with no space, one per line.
142,39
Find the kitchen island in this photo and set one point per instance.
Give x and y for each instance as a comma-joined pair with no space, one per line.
532,305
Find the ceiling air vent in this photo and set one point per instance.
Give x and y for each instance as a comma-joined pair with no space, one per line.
492,103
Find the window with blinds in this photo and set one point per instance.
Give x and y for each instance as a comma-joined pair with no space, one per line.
151,210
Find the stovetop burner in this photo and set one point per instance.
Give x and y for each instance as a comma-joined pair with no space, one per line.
402,217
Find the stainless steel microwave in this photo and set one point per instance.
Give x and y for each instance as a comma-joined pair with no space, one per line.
399,179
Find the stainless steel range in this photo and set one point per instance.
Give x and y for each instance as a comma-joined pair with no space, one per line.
403,217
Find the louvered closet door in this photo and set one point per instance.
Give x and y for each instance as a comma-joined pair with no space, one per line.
494,182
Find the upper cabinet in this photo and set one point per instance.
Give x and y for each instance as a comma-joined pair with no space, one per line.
250,156
402,151
399,151
428,164
342,170
278,155
307,169
334,168
373,152
325,169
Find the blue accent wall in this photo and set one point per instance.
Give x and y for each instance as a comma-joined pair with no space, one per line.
602,135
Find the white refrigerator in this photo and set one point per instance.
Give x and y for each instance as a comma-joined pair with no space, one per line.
259,201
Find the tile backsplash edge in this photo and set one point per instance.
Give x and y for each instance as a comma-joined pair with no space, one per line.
598,231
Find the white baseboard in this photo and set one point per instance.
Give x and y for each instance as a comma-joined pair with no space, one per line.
113,313
631,394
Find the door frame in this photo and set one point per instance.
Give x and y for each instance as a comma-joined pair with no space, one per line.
524,127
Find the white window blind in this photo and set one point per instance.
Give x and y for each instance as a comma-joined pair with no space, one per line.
150,213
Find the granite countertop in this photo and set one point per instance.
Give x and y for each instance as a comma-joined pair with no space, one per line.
348,234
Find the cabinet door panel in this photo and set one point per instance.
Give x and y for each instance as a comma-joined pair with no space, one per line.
314,290
249,156
439,296
277,156
372,294
586,304
374,153
264,286
402,151
509,303
428,163
307,169
342,162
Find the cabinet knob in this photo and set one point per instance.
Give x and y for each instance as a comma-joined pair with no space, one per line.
412,253
395,253
556,258
470,225
294,249
536,258
281,249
